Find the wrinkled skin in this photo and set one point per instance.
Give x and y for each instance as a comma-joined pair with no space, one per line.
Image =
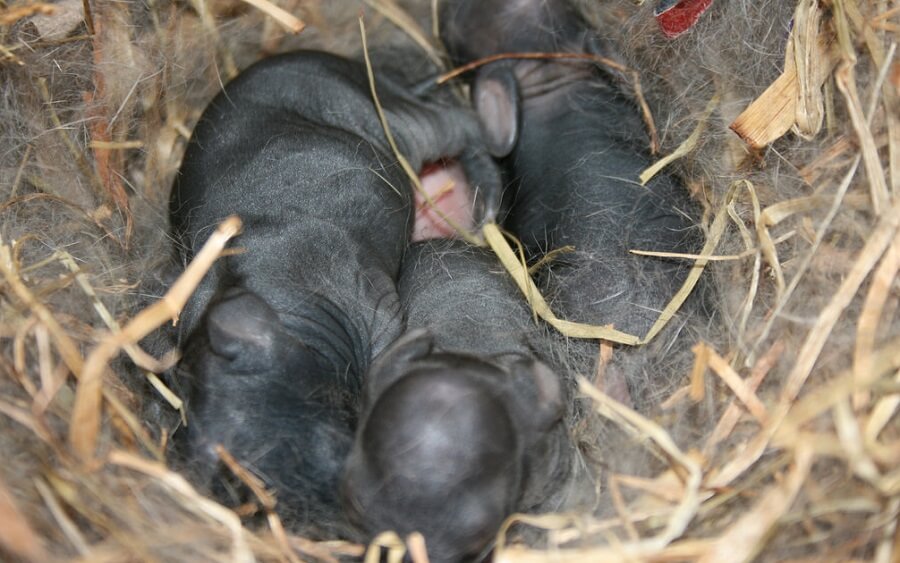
463,424
574,146
279,335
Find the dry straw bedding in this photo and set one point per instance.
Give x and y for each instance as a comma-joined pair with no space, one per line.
801,461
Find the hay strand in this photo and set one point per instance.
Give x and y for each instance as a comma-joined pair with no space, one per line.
190,499
734,382
460,70
794,99
743,540
797,449
285,19
519,273
69,529
64,344
407,168
265,498
684,148
687,507
808,60
521,276
401,18
807,259
732,414
85,424
16,534
846,83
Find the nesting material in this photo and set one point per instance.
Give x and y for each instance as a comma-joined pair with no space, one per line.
796,454
795,100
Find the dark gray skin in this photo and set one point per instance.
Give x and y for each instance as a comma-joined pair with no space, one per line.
463,424
279,336
574,147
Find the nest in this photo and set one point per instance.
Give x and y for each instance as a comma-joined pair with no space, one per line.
802,213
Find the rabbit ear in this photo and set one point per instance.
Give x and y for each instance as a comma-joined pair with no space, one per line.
495,96
244,330
392,364
538,394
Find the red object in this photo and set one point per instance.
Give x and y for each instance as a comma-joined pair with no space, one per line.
681,17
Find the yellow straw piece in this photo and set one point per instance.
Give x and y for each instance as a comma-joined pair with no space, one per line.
684,148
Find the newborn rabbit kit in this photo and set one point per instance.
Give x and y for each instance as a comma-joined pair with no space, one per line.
333,378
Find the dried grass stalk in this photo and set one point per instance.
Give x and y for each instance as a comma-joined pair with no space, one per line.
85,424
407,168
287,20
743,539
191,500
401,18
794,99
16,534
684,148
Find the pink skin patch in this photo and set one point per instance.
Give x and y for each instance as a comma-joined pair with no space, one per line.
447,186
